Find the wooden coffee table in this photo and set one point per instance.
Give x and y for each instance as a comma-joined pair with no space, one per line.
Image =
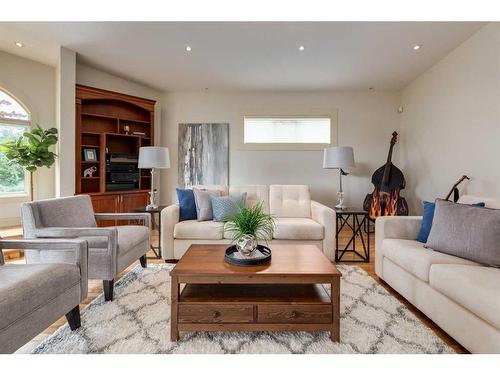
285,295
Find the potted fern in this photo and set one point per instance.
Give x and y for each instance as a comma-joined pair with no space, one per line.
248,226
31,150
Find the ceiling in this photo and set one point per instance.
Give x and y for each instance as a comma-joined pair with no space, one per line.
246,55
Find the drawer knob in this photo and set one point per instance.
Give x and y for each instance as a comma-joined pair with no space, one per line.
295,314
216,314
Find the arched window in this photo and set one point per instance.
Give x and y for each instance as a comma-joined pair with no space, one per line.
15,119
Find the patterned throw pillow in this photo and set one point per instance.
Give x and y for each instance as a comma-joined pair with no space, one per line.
224,207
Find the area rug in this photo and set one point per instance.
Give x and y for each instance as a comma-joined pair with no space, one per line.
137,321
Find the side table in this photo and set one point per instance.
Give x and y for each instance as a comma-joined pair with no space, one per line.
360,226
156,250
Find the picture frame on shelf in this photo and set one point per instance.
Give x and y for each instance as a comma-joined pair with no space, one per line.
89,154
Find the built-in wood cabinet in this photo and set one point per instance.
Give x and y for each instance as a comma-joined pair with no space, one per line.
111,123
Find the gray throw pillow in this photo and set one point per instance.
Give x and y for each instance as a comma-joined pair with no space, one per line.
467,232
203,200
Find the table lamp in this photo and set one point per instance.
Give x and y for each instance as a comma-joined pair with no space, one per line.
154,158
339,158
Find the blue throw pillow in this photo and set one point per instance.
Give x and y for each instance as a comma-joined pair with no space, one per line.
224,207
428,217
187,204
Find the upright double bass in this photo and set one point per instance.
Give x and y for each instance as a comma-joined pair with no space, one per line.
388,181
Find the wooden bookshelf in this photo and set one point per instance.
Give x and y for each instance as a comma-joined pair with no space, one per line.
102,118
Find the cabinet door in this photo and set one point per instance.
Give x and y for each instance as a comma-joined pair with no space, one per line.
130,201
108,203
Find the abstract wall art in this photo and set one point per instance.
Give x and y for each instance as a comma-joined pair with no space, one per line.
203,154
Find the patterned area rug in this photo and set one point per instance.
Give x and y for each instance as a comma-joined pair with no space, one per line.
137,321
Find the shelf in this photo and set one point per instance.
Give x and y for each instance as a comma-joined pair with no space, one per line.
91,146
136,121
100,115
91,133
90,178
115,118
90,162
127,135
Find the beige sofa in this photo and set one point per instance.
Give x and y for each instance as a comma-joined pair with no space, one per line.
298,220
459,295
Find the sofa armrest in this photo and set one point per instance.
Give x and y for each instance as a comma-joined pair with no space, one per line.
57,251
144,217
326,217
400,227
67,232
169,217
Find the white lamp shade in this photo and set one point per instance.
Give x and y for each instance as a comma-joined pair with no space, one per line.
154,157
338,157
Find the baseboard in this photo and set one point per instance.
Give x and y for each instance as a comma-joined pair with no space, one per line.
10,221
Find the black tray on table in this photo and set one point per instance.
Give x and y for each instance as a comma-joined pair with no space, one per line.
232,257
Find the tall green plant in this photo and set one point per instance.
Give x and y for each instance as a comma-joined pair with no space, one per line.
32,150
252,221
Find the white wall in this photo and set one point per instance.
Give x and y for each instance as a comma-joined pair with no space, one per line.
365,121
451,122
34,84
65,119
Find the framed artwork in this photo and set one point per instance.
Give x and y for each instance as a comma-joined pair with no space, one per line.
89,154
203,154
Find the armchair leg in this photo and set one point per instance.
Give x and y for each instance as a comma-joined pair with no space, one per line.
108,286
73,318
144,261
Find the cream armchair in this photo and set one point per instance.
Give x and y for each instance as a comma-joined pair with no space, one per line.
111,249
298,220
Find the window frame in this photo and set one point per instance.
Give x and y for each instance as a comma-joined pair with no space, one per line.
289,146
27,125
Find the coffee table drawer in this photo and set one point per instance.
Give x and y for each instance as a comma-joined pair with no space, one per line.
294,314
215,314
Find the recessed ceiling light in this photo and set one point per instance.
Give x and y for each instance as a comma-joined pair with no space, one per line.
416,47
19,44
301,48
188,48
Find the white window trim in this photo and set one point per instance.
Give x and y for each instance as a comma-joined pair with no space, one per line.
27,176
288,146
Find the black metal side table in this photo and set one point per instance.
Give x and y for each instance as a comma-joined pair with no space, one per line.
156,250
360,227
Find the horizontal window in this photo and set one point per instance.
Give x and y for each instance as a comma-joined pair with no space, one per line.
287,130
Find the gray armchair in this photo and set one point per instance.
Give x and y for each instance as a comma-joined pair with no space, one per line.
111,249
33,296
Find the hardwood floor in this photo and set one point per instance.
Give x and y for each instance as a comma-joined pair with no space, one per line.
95,288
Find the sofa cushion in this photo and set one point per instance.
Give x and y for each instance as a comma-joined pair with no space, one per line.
290,201
474,287
414,258
465,231
128,237
26,287
202,230
223,189
298,229
255,194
